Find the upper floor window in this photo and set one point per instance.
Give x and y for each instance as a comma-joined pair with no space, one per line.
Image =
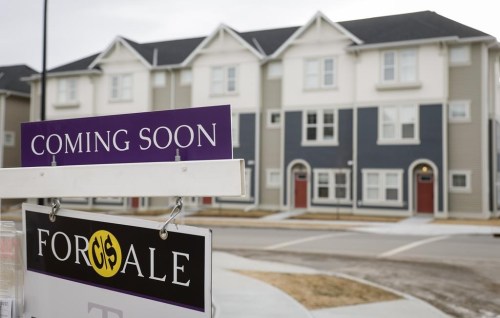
121,87
186,77
274,70
398,124
67,91
159,79
224,80
459,111
399,66
459,55
320,73
319,127
273,118
9,139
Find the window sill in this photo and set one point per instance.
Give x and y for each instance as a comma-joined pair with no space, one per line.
382,203
331,201
215,95
128,100
320,89
398,142
460,190
67,105
398,86
319,143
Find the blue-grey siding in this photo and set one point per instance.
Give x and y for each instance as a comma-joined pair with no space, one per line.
317,156
373,156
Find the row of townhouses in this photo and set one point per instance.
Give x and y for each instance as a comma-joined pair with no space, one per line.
14,109
392,115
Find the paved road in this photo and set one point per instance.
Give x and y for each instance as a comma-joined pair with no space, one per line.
448,248
459,274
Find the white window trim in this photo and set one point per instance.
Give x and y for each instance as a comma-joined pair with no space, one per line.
159,79
225,81
9,138
332,185
398,140
270,113
319,126
467,188
269,184
381,201
321,73
274,70
65,101
455,103
397,83
120,97
460,63
186,77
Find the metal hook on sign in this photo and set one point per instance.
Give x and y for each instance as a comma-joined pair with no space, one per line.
175,211
56,204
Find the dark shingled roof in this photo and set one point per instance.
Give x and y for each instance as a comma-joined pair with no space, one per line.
401,27
10,78
79,65
409,26
269,40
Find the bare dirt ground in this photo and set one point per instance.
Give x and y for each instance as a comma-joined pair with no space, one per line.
460,290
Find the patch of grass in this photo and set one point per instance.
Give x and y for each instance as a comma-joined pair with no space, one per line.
345,217
233,213
323,291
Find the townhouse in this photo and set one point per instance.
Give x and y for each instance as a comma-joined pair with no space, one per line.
14,109
391,115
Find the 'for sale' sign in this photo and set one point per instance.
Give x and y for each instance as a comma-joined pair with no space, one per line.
94,265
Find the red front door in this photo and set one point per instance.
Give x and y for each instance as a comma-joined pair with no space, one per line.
207,200
135,203
425,192
300,187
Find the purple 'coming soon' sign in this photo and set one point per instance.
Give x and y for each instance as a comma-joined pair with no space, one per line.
202,133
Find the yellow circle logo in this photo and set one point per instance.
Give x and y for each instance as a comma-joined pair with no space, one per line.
105,253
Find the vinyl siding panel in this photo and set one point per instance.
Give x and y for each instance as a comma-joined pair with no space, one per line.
464,139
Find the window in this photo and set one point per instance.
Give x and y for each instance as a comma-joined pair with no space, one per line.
460,181
459,111
382,187
274,70
332,185
398,124
273,178
320,73
320,127
399,66
459,55
9,139
66,91
223,80
186,77
273,119
121,87
236,130
159,79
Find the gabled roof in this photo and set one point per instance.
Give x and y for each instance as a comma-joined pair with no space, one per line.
423,25
409,26
10,78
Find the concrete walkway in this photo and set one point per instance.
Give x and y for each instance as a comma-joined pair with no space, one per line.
238,296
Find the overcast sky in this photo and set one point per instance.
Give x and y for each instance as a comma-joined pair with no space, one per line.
78,28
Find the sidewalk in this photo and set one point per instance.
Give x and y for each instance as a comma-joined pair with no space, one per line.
239,296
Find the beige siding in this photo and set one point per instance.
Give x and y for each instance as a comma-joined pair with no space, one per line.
162,96
464,146
270,139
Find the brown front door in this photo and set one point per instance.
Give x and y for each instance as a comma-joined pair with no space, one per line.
300,188
135,203
207,200
425,192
